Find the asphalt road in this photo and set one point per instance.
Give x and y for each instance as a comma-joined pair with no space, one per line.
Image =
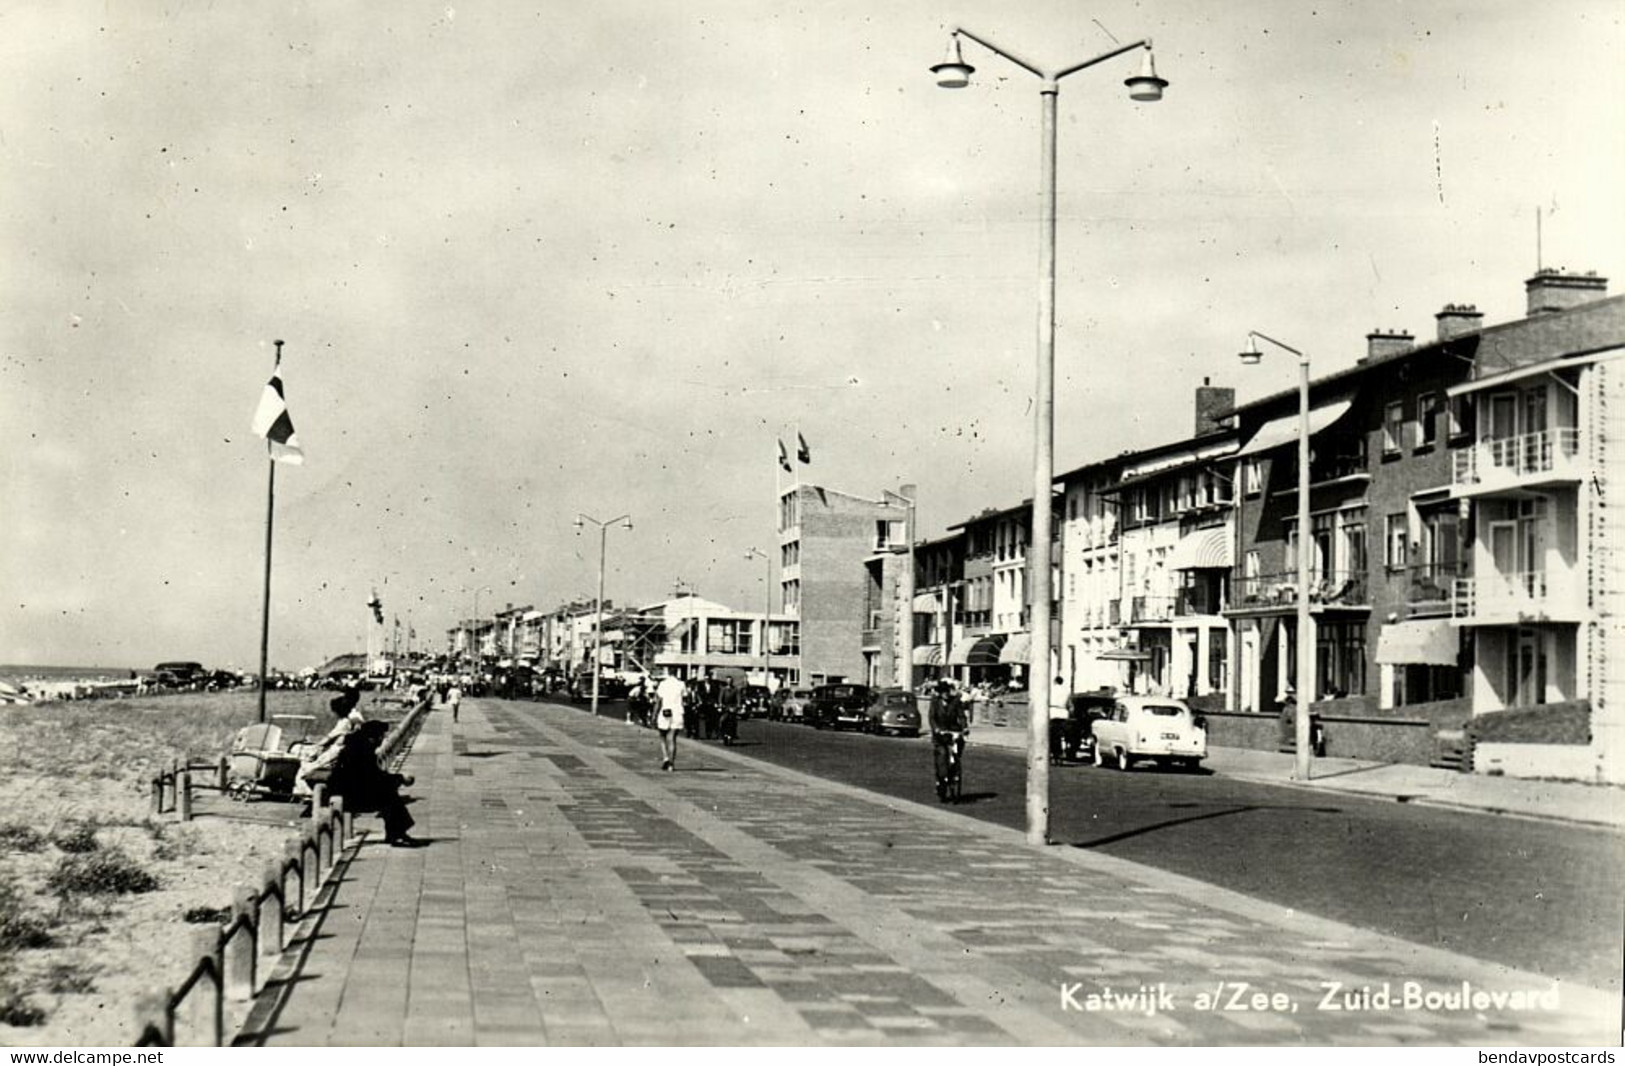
1537,895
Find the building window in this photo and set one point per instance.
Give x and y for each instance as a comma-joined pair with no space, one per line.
1461,415
1427,416
1393,428
889,532
1252,482
1397,540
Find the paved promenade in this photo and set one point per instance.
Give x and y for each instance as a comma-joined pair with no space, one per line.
574,894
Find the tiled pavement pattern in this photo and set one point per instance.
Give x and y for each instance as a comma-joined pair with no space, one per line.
574,894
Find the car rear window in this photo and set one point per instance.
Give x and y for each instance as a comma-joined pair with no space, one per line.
901,699
1162,710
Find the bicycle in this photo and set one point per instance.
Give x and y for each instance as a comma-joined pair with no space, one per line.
950,753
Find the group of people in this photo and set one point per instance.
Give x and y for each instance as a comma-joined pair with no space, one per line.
702,709
347,763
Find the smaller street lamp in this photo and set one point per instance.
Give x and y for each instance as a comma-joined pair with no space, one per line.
625,522
767,617
1306,648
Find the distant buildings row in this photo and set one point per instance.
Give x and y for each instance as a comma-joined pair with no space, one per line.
1467,577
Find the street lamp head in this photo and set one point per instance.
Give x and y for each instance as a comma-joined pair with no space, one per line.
1145,86
626,523
1252,356
578,523
953,72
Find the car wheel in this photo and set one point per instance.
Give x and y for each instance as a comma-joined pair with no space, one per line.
1123,759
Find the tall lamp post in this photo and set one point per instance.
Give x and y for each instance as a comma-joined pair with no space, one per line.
767,618
954,73
1306,647
625,522
474,636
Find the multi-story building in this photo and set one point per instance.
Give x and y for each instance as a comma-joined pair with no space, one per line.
825,540
939,568
699,636
1542,607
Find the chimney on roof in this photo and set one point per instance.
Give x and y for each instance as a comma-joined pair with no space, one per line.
1457,319
1213,405
1554,289
1379,343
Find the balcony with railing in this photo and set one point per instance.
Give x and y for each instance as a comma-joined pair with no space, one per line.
1431,587
1542,458
1198,600
1522,596
1268,592
1151,609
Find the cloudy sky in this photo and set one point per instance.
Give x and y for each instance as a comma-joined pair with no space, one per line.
538,259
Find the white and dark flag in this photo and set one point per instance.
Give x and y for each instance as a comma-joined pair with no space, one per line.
271,421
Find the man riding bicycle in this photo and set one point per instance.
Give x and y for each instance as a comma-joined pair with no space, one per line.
948,725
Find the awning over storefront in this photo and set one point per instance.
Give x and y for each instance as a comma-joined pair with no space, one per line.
1018,649
1205,549
1124,655
959,654
928,655
985,652
1427,642
1281,431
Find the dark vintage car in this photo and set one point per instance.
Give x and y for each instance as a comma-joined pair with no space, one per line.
1072,739
840,707
754,701
179,674
894,710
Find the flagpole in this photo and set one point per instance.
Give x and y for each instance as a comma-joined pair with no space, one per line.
265,608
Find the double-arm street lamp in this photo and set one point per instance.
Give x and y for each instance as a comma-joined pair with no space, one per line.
1306,647
767,618
954,73
625,522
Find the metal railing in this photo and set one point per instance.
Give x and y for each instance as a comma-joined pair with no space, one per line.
1514,457
1347,588
234,959
1432,584
1151,608
1521,592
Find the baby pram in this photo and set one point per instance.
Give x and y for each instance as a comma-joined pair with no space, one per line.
265,758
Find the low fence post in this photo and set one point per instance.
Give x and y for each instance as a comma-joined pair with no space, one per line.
158,794
310,865
324,842
183,795
294,899
341,825
154,1017
318,800
201,1014
239,951
222,769
272,905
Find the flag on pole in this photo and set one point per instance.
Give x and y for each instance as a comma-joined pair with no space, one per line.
803,452
272,422
784,458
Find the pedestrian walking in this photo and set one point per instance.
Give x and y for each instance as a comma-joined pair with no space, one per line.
671,694
454,699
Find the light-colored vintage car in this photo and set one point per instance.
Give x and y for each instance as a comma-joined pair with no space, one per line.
1154,728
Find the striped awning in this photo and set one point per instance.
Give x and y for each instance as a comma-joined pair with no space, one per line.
1205,549
1018,649
1125,655
1281,431
985,652
928,655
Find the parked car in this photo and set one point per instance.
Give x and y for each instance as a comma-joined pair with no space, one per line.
791,705
1149,727
179,674
1071,738
894,710
840,706
754,701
